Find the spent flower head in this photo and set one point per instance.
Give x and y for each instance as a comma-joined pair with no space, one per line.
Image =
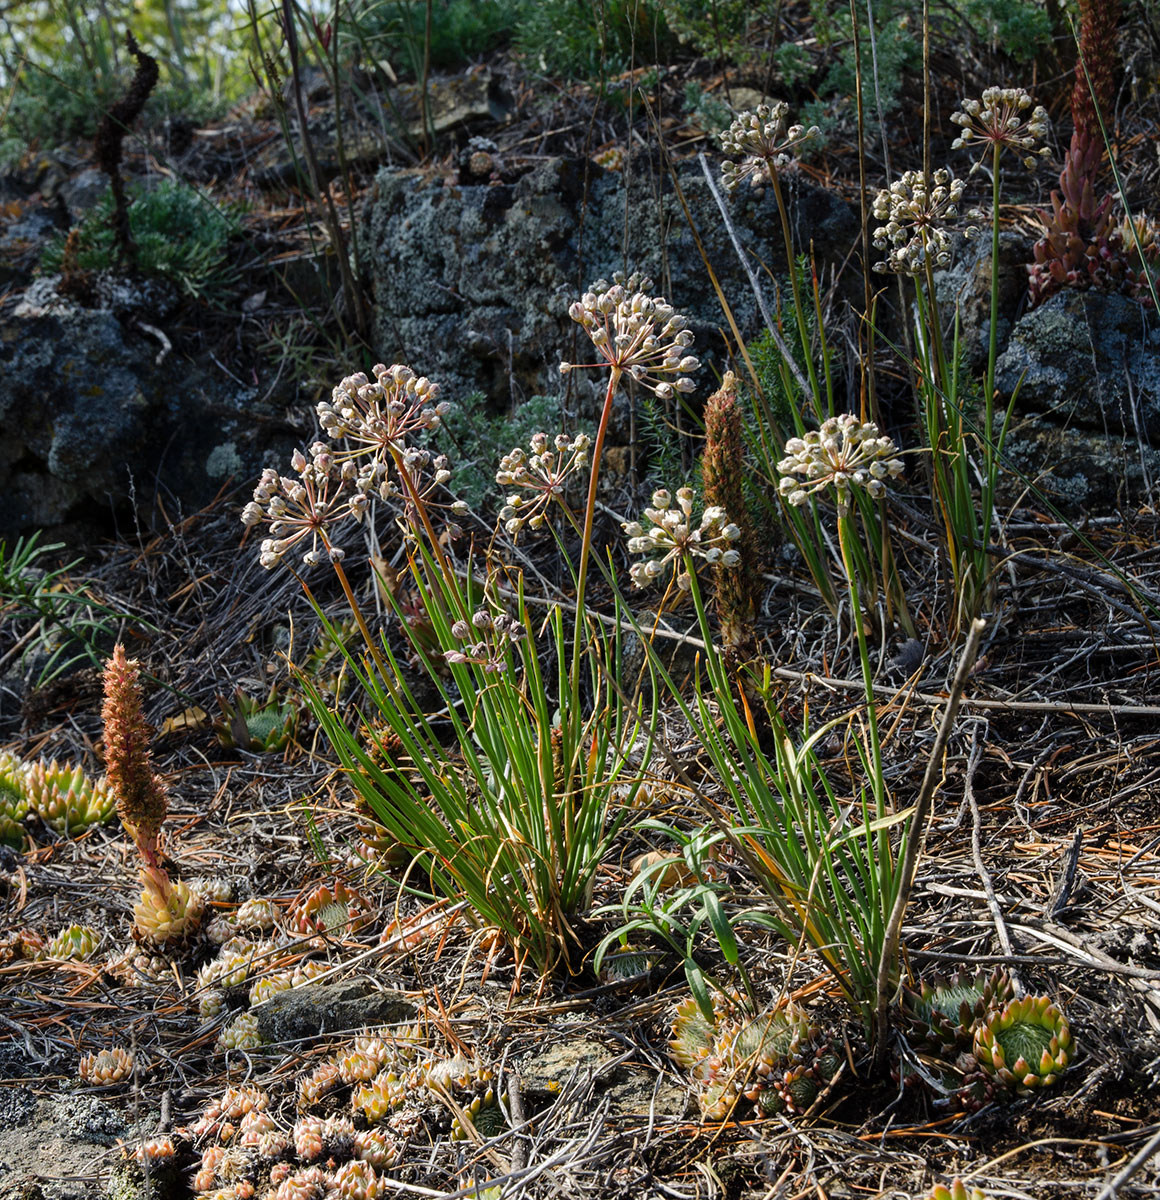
302,507
670,538
636,333
376,420
540,475
915,211
763,142
844,453
1001,121
485,640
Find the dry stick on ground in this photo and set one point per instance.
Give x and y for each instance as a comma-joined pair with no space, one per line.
914,843
976,847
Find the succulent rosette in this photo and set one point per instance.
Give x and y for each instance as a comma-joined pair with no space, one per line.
943,1012
1026,1044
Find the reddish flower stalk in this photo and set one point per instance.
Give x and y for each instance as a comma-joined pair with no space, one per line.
141,798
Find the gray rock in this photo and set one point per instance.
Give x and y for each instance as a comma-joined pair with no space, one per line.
967,283
631,1087
88,413
472,282
1090,359
305,1012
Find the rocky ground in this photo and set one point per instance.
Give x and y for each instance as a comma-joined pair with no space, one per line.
1043,855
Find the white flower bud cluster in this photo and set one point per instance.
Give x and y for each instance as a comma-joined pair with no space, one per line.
1000,119
638,334
672,536
844,453
763,142
486,639
914,210
542,473
332,481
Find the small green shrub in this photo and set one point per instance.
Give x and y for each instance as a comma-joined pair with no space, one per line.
461,30
180,235
578,39
479,438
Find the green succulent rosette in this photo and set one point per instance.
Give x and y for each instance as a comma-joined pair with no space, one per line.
1026,1044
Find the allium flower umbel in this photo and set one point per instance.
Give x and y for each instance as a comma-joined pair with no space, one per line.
540,476
843,454
642,336
484,640
1000,120
763,142
671,537
915,211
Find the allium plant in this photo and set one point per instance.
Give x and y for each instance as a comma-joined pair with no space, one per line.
827,870
516,820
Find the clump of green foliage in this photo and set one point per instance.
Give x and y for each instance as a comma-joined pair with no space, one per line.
180,236
461,30
478,437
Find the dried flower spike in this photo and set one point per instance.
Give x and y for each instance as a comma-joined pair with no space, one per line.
140,794
843,454
1000,121
763,142
642,336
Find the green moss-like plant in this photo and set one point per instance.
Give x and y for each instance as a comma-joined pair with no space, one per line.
180,235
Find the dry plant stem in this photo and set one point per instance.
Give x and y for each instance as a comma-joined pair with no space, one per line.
887,983
977,850
754,282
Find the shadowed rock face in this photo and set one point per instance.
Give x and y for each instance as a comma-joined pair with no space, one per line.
1087,365
90,417
472,281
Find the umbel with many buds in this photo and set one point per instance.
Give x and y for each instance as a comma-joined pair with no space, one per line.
763,141
672,535
915,212
1001,121
640,335
844,453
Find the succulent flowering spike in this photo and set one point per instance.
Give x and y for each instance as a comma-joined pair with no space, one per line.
141,799
672,535
642,336
956,1191
844,453
1001,121
1025,1045
737,589
763,142
914,211
541,476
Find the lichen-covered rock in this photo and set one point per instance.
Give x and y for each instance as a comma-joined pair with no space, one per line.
472,281
1088,407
